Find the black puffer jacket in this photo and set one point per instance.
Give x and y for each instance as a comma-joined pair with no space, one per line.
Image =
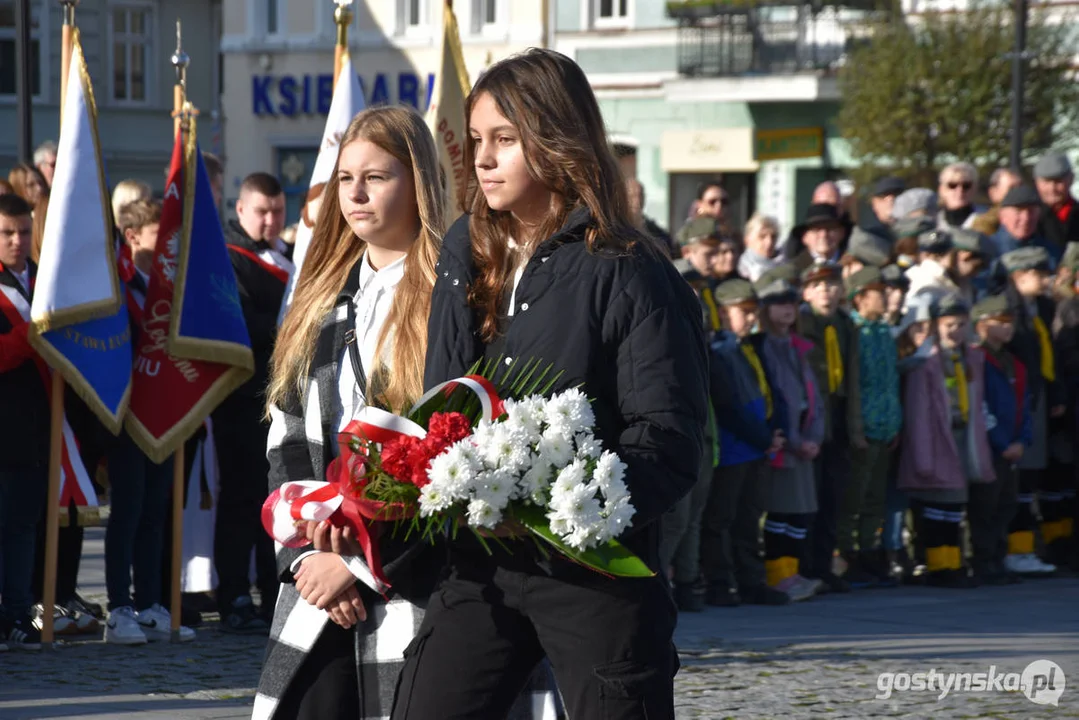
626,327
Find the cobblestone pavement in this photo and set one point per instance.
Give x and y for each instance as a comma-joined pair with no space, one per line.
817,659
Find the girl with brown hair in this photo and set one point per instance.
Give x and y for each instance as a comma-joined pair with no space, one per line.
354,335
547,266
28,182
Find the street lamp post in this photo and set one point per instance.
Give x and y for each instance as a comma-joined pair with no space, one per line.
1018,73
22,80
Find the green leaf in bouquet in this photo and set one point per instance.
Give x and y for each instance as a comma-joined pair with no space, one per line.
610,559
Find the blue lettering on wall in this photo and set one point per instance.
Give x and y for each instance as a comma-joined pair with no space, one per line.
287,88
292,95
260,95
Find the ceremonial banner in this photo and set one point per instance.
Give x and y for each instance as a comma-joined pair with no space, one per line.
193,348
78,315
446,113
347,102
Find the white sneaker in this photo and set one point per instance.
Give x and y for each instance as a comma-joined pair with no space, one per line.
156,623
122,627
1027,564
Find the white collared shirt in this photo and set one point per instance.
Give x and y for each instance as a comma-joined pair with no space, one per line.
23,278
372,302
277,256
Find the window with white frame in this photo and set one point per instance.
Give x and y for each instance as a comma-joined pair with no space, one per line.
131,35
611,13
412,17
8,55
484,15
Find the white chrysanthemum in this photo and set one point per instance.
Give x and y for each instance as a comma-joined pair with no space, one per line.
495,488
588,447
555,448
534,483
569,412
481,514
433,500
619,517
525,417
610,473
570,479
505,450
453,471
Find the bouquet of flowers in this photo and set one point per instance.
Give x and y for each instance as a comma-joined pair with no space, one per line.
463,456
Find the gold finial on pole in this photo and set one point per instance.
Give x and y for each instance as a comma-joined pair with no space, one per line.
180,61
67,35
343,17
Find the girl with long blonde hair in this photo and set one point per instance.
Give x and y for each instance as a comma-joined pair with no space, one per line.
355,335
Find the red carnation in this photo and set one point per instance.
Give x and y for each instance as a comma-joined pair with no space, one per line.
396,456
444,429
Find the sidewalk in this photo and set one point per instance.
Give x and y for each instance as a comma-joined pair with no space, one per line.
816,659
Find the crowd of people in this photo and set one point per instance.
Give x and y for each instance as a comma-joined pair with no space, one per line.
894,399
137,546
849,405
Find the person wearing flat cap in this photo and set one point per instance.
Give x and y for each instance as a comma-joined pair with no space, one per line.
751,419
862,503
936,261
1028,272
944,444
1020,213
788,492
896,285
885,191
834,359
972,253
1053,178
1008,409
700,240
915,203
905,248
784,271
865,249
819,237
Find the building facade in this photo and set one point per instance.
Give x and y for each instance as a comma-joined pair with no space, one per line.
716,90
128,46
278,70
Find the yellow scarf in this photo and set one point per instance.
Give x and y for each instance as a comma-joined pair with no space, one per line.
961,388
762,379
835,358
1048,365
710,303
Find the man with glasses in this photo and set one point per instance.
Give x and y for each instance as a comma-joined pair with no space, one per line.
45,159
957,183
1053,178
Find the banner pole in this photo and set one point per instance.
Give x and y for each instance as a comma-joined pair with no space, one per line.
178,496
342,16
56,402
180,61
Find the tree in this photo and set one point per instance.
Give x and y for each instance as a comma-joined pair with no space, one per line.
924,91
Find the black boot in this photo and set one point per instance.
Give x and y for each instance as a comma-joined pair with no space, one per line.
689,597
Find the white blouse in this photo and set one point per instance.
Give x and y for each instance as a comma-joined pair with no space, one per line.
372,302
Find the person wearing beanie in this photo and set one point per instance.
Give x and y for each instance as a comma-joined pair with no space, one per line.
1007,407
751,418
788,493
1028,271
916,203
945,445
834,359
862,504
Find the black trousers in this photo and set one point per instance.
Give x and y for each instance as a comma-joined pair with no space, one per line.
832,469
494,618
989,512
240,434
326,686
730,529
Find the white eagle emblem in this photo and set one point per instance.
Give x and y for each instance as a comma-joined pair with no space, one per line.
168,259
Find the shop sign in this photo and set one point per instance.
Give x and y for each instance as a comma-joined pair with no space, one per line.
293,95
789,143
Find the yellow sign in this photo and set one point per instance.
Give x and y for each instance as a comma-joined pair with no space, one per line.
729,149
790,143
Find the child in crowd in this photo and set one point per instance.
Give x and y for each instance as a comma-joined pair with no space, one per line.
749,415
138,487
862,508
896,285
1007,403
945,445
834,358
788,494
936,260
1028,271
24,443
